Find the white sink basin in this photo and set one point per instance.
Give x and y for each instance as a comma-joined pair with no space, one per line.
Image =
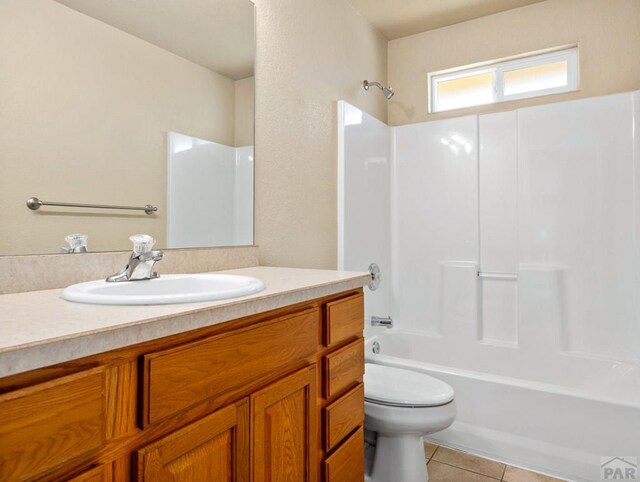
167,289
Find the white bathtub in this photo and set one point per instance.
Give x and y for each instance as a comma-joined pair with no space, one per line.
565,419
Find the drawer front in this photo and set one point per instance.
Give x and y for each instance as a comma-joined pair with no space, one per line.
343,319
343,368
178,378
51,423
347,463
343,416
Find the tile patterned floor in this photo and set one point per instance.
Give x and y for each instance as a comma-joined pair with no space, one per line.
447,465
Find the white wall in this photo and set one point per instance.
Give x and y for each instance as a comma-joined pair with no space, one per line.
209,193
578,206
498,220
244,188
557,207
544,201
364,202
435,224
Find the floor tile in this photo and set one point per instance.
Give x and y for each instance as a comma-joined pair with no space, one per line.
439,472
514,474
469,462
429,449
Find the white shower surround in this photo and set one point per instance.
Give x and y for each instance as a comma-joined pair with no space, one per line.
547,195
209,193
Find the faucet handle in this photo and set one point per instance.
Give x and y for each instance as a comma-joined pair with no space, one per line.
142,243
77,243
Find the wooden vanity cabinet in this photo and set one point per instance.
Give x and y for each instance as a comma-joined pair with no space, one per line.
271,397
50,423
284,428
342,402
213,448
101,473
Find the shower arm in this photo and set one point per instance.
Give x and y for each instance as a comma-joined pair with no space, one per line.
368,84
387,91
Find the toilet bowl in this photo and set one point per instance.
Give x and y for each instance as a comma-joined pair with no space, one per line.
402,406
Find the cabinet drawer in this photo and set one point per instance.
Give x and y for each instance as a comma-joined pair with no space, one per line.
178,378
46,425
343,368
343,416
347,463
343,319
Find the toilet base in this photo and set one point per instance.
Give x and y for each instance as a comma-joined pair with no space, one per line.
399,457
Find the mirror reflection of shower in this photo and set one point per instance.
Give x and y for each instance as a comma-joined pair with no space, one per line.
387,91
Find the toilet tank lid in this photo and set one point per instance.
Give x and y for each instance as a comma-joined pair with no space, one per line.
402,387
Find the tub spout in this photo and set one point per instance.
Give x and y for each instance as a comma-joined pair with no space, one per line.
382,321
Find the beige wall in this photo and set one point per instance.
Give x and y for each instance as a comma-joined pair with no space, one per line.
311,53
245,111
607,33
84,111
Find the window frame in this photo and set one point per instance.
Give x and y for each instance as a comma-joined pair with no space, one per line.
498,68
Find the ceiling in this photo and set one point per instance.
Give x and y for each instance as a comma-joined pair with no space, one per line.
400,18
216,34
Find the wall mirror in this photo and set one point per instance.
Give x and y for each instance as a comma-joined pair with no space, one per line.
126,103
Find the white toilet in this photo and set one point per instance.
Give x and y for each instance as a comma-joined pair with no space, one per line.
402,406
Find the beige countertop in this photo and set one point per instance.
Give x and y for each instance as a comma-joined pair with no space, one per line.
39,328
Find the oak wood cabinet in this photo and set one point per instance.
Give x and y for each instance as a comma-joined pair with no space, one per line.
276,396
101,473
342,402
51,423
283,417
214,448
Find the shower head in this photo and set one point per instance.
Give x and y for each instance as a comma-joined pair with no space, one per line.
387,91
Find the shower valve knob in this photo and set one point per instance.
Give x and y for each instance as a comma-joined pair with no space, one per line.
376,276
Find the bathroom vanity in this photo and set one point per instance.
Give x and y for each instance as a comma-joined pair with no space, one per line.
265,387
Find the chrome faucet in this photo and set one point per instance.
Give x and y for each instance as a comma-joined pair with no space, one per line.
77,243
140,265
386,321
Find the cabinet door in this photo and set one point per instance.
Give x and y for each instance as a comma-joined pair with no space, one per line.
215,448
101,473
284,430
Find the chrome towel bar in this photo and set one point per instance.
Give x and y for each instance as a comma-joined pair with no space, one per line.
34,203
504,276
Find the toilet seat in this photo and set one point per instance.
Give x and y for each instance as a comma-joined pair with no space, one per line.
399,387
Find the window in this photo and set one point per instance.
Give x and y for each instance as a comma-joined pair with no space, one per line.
529,76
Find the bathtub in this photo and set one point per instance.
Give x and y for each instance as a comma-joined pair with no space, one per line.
569,416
